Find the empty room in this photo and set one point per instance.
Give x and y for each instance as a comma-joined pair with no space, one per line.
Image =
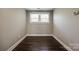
39,29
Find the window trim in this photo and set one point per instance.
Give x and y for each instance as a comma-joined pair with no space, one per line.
39,17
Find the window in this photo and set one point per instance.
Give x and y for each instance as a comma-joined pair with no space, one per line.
39,17
44,17
34,17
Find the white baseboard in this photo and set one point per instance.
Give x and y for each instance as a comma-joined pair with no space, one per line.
39,34
14,45
62,43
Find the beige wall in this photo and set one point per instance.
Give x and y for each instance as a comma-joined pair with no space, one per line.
12,26
39,28
66,26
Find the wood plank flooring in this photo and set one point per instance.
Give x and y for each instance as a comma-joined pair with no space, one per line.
39,43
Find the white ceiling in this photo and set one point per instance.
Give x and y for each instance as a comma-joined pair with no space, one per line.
39,8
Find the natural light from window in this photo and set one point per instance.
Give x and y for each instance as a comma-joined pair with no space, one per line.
39,17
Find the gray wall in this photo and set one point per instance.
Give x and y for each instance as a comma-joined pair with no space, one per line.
39,28
66,26
12,26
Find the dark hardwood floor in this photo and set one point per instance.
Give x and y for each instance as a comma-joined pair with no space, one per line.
39,43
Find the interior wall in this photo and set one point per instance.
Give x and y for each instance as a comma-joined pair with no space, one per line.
39,28
66,26
12,26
